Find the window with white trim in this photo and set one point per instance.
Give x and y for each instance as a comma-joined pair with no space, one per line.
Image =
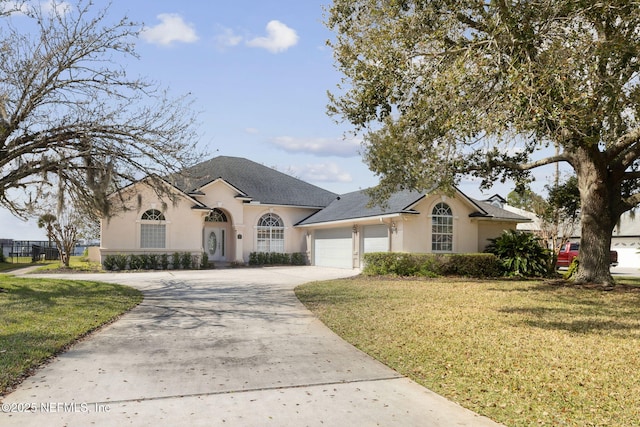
153,229
270,233
442,228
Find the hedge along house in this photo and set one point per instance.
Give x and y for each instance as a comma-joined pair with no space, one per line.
233,207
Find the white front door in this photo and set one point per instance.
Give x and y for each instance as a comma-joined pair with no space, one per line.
216,243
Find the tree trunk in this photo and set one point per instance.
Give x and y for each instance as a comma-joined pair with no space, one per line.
598,220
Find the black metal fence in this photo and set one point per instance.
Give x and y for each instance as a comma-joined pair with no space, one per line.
17,250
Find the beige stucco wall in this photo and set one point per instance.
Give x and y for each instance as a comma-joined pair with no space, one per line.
295,239
490,230
416,229
121,233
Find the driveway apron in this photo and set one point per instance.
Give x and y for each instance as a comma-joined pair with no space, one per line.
230,347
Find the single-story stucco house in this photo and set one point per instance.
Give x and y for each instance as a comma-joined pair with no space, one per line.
235,206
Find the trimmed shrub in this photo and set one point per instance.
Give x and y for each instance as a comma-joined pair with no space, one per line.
152,261
175,260
400,264
521,254
253,258
431,265
472,265
263,258
275,258
298,258
136,262
186,260
164,261
204,260
121,261
144,260
109,263
115,262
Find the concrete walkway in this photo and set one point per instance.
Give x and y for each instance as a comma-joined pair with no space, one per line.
229,347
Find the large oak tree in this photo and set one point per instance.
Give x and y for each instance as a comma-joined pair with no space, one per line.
72,120
495,89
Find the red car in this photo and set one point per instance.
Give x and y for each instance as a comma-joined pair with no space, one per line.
569,251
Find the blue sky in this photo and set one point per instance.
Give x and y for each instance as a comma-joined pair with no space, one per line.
259,71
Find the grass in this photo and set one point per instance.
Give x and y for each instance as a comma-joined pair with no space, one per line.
77,263
522,353
41,317
21,263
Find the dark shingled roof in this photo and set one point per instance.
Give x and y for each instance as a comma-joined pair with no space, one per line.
354,206
496,212
255,181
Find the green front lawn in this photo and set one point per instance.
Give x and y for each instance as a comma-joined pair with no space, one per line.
520,352
22,263
41,317
77,263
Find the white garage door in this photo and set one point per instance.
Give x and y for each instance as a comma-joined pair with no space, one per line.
375,238
333,248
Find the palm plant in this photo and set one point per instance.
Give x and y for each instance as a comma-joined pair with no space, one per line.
521,254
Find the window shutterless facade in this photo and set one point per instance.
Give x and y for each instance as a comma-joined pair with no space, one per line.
270,233
153,230
442,228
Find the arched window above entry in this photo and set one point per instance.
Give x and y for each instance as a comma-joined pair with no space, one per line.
270,233
442,228
153,215
216,215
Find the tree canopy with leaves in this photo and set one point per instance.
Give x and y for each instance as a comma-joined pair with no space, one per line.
72,121
495,89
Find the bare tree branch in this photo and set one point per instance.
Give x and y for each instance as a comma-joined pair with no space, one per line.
69,110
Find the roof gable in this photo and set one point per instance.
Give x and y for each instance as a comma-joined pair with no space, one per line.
254,181
171,187
353,206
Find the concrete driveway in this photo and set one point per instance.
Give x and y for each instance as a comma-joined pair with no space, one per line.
230,347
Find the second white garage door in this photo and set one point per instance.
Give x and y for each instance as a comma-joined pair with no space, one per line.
375,238
333,248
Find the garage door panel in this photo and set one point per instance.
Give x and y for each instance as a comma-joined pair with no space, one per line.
375,238
333,248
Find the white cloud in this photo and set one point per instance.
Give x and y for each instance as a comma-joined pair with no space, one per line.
13,7
322,172
57,7
252,131
24,8
227,38
279,38
171,29
319,146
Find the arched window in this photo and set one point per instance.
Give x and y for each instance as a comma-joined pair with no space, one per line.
216,215
153,215
442,228
270,234
153,230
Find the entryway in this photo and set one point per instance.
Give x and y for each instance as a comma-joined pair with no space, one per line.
216,243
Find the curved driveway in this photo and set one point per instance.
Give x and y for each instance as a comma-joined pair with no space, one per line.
230,347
